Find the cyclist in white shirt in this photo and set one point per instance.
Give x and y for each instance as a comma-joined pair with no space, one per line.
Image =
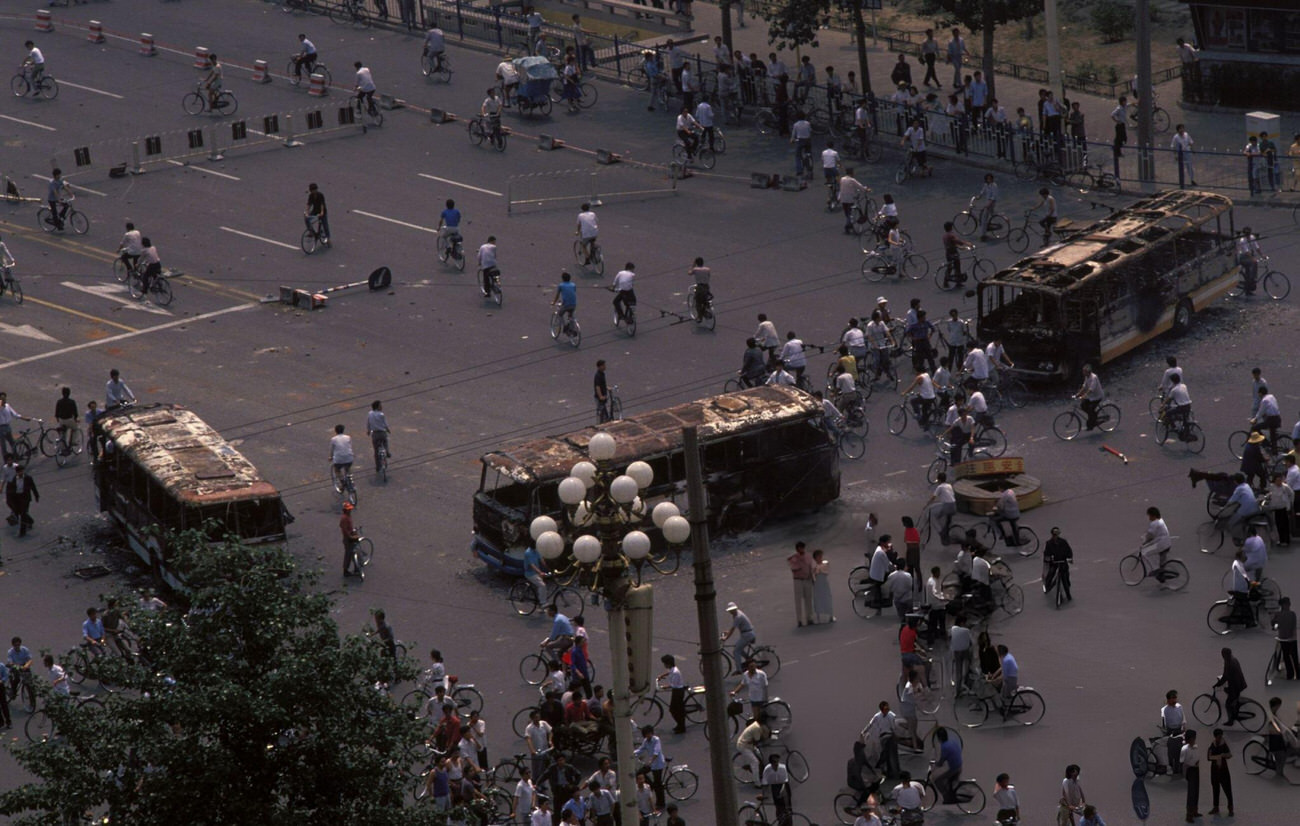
687,127
926,396
1248,255
1090,395
150,264
1156,542
831,415
792,355
624,295
856,341
830,163
365,86
908,794
914,140
487,262
490,110
587,231
508,77
1172,370
35,61
704,117
850,189
130,248
1178,402
882,344
341,456
782,377
306,57
976,364
801,137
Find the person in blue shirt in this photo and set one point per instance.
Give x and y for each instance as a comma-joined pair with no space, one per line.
1247,504
535,571
947,770
449,221
566,296
575,806
651,755
579,670
561,636
92,631
19,660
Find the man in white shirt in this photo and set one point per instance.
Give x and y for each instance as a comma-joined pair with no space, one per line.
1156,542
766,335
35,61
365,86
753,681
1173,722
830,164
882,344
1182,144
908,794
587,231
899,587
880,737
116,393
943,504
792,355
1178,403
962,648
831,415
748,744
914,139
1248,255
704,117
776,779
508,77
435,45
955,334
801,137
1090,395
1268,416
1172,370
624,295
1007,509
537,735
856,340
525,792
341,456
878,571
687,127
976,364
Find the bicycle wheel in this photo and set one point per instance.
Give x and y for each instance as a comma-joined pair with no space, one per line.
349,491
1131,571
719,142
647,711
901,175
965,223
45,219
574,333
1207,710
227,104
1108,417
1274,666
1018,239
970,796
991,440
567,601
519,723
778,715
39,727
49,442
616,406
160,291
936,467
851,445
705,157
1160,120
915,266
19,86
1026,170
1027,707
1237,443
194,103
49,88
997,226
1250,716
499,142
875,267
1174,576
78,221
365,551
532,668
1277,285
523,598
681,783
309,241
497,296
1067,425
1028,539
476,133
1108,184
970,712
556,324
928,701
1256,757
587,95
416,704
848,807
1013,601
896,419
981,270
1219,617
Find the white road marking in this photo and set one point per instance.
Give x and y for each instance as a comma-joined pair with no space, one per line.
86,345
819,653
112,292
91,89
1034,581
459,184
30,123
204,169
896,473
77,188
26,331
260,238
392,221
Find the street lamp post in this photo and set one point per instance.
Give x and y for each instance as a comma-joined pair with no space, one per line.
605,514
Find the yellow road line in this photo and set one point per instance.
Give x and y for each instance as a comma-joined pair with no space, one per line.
80,314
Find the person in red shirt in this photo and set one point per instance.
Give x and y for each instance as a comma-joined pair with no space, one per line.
801,568
577,711
447,735
350,537
913,654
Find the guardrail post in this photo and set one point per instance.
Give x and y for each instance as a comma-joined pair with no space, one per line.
289,141
618,59
215,153
136,168
496,13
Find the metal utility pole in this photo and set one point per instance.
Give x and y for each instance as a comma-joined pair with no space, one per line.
1055,78
1145,92
725,8
725,808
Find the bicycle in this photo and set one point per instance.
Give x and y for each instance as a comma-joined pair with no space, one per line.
897,417
1025,706
60,444
344,486
565,324
968,793
160,287
881,262
752,813
24,446
493,288
1208,711
381,460
587,93
1090,177
989,533
40,726
987,440
525,599
612,409
1186,431
368,114
363,551
8,282
21,688
589,255
649,710
702,316
71,217
350,12
795,763
1171,574
1068,425
977,269
861,144
313,236
21,85
1159,117
1058,581
1019,237
1041,164
930,697
911,168
968,222
625,315
1258,759
450,248
480,130
763,656
850,444
702,156
1276,285
198,102
290,6
1242,611
83,662
441,71
466,698
317,68
534,668
1274,457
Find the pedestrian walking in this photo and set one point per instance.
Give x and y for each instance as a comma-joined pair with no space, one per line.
1284,623
1220,754
19,493
956,55
930,56
1119,116
1182,144
677,685
822,609
1252,153
801,569
899,588
912,541
1279,502
1191,761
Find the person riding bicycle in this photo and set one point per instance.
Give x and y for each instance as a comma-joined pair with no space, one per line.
753,367
566,297
435,46
1178,404
341,456
624,294
377,428
92,632
59,196
924,405
886,217
953,244
1156,542
1239,589
850,190
35,63
487,259
306,57
351,536
508,77
998,360
19,660
1047,202
66,412
588,230
978,405
129,249
535,571
914,140
793,356
561,637
960,435
449,223
832,417
856,340
801,137
365,87
150,265
745,635
1248,256
882,345
989,195
748,743
490,111
947,769
909,794
688,131
7,261
211,82
1007,509
1268,416
1090,396
780,376
702,276
317,210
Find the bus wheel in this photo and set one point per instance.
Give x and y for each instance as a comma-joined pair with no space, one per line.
1182,317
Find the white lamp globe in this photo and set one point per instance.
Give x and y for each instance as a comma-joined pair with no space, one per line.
677,529
623,489
582,515
637,508
662,511
642,473
540,525
586,548
636,545
585,471
572,490
602,447
550,545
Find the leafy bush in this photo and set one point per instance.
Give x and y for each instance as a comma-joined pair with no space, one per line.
1112,20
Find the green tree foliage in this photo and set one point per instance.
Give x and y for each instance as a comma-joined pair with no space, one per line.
252,709
796,24
985,16
1113,20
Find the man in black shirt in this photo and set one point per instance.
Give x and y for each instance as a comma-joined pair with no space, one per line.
601,391
316,209
1058,556
66,413
1284,622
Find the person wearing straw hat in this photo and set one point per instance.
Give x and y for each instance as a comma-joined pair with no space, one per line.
741,626
1253,465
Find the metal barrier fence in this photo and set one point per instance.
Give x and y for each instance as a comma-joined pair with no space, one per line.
569,187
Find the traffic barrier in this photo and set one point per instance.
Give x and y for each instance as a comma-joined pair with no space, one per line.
439,115
260,73
44,22
604,156
597,185
548,143
793,183
95,32
147,48
318,88
201,57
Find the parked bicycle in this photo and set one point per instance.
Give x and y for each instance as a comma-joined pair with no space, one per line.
1090,177
21,85
350,12
1069,424
1159,117
198,102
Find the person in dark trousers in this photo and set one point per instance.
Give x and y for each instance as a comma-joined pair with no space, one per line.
1284,630
1233,682
1058,556
1220,754
1191,761
19,494
677,684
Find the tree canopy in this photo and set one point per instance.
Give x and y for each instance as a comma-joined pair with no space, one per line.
972,13
252,708
796,24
